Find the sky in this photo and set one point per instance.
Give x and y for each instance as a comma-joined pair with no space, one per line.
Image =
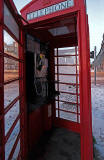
95,10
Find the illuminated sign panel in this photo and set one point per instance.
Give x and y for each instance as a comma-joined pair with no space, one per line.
51,9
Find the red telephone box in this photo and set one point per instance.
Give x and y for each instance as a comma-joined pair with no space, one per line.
49,37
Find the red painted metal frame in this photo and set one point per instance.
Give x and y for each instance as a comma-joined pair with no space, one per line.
70,93
89,82
22,116
58,100
67,102
11,80
73,84
85,88
71,65
76,84
2,133
58,81
11,57
14,146
67,111
63,74
40,4
67,55
23,109
11,129
52,77
85,126
72,126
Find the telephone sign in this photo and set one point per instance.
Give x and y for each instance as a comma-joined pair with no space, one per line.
51,9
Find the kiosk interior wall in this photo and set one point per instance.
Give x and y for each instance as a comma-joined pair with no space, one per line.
38,71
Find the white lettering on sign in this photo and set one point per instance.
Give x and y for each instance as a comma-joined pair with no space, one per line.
51,9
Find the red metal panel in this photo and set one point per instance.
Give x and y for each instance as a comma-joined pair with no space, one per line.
1,12
89,70
23,107
52,77
72,126
86,129
47,120
1,117
35,131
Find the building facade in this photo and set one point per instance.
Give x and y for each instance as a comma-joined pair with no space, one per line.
99,62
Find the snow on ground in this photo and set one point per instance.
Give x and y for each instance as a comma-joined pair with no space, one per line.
11,141
98,119
11,91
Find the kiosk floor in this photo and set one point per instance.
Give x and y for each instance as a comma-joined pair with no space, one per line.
58,144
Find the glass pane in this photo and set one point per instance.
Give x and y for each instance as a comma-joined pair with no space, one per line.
55,52
31,44
55,61
11,116
79,118
16,153
67,60
68,116
67,79
68,107
11,91
77,60
56,77
68,88
79,99
10,22
56,113
65,51
11,140
11,69
68,97
79,109
56,104
67,69
10,45
56,69
56,87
